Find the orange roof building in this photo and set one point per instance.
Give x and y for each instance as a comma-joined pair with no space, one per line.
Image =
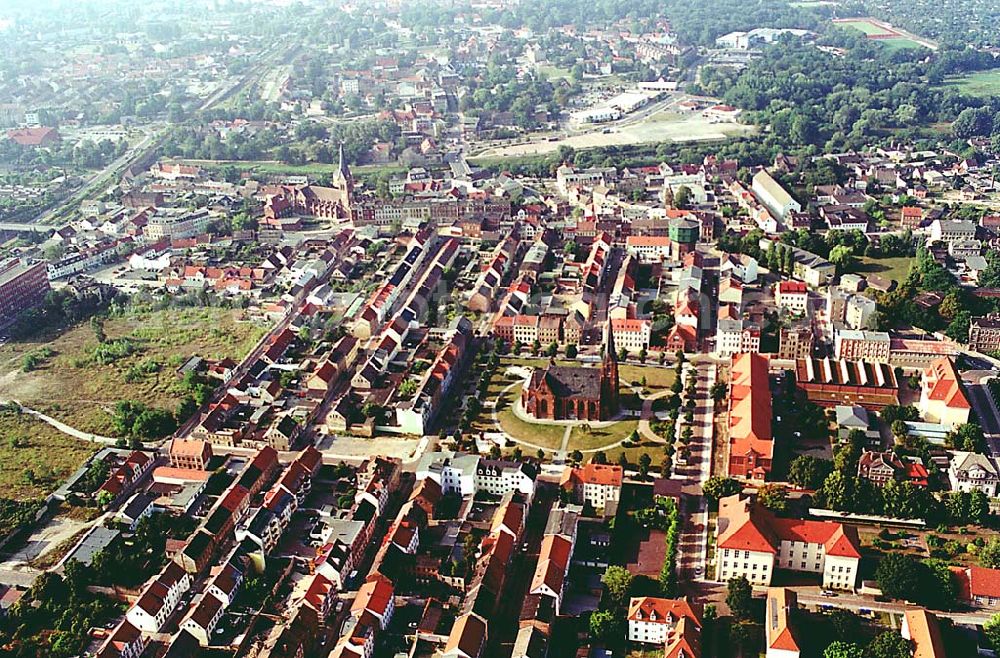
684,641
597,485
751,443
752,542
978,586
922,628
778,632
190,453
553,564
942,398
651,619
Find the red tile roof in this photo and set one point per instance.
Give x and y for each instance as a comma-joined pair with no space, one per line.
925,634
603,474
374,596
553,560
683,641
747,527
750,407
984,582
33,136
792,287
778,633
941,382
652,609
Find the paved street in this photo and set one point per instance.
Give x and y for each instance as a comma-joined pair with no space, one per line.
693,541
857,602
984,406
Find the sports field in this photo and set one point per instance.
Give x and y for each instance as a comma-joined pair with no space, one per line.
889,36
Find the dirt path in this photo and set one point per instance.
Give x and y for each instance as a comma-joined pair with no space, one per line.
63,427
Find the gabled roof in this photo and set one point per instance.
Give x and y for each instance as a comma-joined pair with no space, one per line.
684,641
467,635
374,596
600,474
748,527
553,560
739,530
319,589
942,382
924,632
779,634
657,610
984,582
750,406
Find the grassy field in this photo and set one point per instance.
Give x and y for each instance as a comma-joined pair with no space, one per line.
34,457
894,269
864,26
981,83
872,30
655,377
900,44
69,385
553,72
545,436
598,437
921,543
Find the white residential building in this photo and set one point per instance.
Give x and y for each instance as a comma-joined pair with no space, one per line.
468,475
651,619
752,542
942,397
774,197
594,484
159,599
498,477
792,296
970,471
204,618
632,335
860,313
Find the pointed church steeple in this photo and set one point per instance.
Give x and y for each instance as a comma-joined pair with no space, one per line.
609,371
342,177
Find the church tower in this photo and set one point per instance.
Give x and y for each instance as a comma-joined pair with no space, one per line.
609,374
342,178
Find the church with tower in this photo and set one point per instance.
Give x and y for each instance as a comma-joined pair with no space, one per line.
333,202
575,392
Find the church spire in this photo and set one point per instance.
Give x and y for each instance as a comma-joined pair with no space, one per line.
609,374
609,343
343,175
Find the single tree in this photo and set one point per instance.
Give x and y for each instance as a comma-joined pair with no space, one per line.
888,644
645,461
617,581
774,497
717,487
841,649
739,597
899,576
991,629
808,472
605,626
